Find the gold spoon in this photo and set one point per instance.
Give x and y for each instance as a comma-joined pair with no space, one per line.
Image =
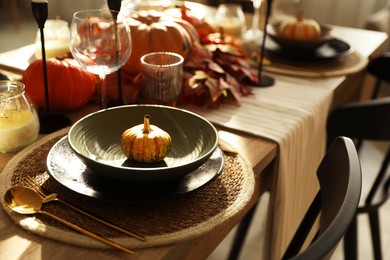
24,200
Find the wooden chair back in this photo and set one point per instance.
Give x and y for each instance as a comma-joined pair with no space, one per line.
339,176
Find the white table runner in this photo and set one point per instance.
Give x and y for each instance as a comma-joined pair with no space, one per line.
293,113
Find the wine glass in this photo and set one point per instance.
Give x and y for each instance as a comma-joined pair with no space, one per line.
100,41
254,33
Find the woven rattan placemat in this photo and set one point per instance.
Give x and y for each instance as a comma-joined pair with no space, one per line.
162,223
348,64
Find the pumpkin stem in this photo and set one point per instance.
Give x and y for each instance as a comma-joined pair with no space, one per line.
147,128
300,15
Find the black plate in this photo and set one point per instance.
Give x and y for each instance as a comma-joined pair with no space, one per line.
334,48
68,170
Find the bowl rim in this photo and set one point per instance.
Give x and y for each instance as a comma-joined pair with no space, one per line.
146,169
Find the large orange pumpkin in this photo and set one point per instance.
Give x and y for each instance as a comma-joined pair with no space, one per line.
153,31
70,86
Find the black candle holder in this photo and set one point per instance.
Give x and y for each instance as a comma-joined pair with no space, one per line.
48,122
264,81
114,5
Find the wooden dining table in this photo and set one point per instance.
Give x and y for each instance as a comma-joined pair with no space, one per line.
262,153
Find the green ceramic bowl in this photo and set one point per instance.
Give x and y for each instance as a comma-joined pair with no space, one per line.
96,141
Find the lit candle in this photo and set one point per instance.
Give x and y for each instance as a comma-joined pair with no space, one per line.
231,18
17,129
233,26
19,123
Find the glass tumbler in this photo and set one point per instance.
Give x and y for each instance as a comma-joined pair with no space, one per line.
231,18
19,123
162,76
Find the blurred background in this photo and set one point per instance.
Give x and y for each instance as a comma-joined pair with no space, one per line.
17,21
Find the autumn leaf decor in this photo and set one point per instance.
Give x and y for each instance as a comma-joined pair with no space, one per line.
207,81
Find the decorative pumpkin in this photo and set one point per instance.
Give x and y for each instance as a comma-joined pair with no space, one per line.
70,86
299,28
146,143
153,31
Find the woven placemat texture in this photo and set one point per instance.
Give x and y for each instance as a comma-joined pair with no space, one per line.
348,64
163,222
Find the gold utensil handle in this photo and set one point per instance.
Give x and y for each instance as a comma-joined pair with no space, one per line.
88,233
101,220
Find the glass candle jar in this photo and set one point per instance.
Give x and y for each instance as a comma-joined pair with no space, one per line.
19,123
162,76
231,18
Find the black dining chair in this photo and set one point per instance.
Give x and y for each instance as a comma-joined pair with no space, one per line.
339,176
366,120
379,67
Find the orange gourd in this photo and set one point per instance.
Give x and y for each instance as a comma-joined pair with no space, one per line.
153,31
299,28
70,86
145,142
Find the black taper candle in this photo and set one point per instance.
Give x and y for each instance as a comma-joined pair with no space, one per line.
115,5
48,122
40,12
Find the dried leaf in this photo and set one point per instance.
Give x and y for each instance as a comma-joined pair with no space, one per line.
215,91
200,75
216,68
224,48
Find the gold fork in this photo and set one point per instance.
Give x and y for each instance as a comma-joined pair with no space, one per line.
30,182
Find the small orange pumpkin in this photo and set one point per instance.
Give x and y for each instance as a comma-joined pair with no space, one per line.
153,31
299,28
70,86
145,142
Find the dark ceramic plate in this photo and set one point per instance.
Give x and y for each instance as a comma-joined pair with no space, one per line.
334,48
68,170
96,140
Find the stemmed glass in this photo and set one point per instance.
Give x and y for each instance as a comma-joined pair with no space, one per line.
254,32
100,41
